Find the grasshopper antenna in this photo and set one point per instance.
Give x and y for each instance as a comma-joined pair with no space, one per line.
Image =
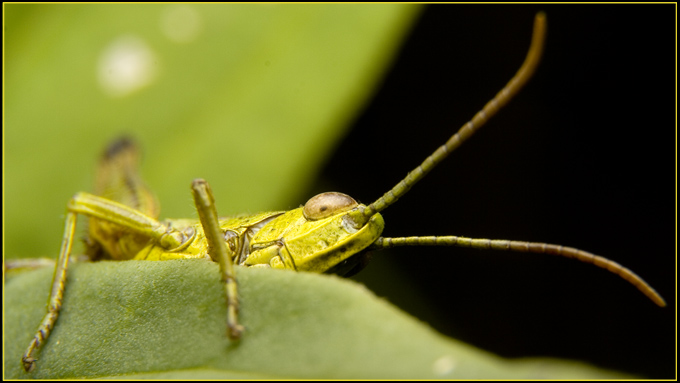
525,247
490,109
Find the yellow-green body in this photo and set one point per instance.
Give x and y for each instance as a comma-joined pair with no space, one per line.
280,240
124,225
319,237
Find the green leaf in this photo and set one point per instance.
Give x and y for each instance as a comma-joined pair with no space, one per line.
166,320
252,103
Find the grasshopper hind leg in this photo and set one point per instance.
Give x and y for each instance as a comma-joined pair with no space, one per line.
108,212
56,295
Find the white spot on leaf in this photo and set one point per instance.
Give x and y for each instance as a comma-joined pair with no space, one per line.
126,65
444,365
181,23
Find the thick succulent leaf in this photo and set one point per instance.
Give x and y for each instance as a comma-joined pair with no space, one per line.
166,320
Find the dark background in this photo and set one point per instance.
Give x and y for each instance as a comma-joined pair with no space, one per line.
583,157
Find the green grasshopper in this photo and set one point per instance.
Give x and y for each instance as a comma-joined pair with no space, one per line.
329,234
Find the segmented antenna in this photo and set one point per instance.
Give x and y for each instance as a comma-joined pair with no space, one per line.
525,247
506,94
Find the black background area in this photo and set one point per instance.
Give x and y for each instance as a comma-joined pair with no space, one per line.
583,157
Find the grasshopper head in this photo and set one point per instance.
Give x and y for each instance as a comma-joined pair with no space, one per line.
323,235
318,237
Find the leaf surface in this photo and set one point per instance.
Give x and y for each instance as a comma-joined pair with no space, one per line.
166,320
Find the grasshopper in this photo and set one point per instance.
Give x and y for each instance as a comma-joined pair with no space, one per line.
329,234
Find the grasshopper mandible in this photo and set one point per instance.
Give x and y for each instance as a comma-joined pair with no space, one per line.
329,234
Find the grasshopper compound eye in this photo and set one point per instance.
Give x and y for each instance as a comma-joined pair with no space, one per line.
327,204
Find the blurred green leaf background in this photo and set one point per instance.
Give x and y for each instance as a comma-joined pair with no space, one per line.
249,97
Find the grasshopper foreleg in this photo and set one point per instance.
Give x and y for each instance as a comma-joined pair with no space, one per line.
218,251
